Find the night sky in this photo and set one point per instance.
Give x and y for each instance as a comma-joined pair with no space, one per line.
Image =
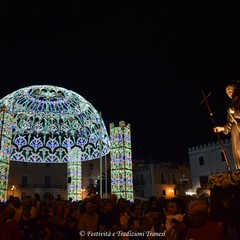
143,63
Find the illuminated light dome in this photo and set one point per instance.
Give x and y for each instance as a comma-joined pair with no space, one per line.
49,121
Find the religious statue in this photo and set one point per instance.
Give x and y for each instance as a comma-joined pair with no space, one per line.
233,121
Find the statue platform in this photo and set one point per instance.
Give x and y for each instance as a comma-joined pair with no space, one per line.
225,195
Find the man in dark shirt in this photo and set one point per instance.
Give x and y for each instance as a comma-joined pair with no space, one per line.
108,224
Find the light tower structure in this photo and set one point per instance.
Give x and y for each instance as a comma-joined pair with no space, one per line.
6,121
121,161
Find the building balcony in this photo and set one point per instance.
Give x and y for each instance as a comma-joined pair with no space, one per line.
49,186
25,185
41,186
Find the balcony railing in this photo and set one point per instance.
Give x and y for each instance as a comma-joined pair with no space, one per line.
24,185
48,186
41,186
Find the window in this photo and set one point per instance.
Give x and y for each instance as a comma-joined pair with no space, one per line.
24,181
201,160
90,166
203,181
164,192
162,178
174,178
47,181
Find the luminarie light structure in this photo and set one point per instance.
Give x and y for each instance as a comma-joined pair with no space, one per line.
6,121
54,125
74,171
121,161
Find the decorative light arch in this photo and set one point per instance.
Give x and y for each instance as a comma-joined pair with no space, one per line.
49,121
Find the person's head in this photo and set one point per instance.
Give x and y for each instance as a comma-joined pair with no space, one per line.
121,201
127,208
162,200
27,201
100,203
8,212
153,212
113,198
176,206
93,190
96,198
92,196
232,88
91,207
43,207
121,204
26,209
37,196
152,201
198,213
10,200
16,202
136,209
59,209
108,206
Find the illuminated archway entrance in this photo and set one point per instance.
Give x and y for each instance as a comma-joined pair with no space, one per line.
50,124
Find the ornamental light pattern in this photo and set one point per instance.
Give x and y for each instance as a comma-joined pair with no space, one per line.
74,171
50,120
49,124
6,121
121,161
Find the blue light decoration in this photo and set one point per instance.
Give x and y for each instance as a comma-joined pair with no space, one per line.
121,161
6,121
49,121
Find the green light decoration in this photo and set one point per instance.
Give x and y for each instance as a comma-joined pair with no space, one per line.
6,121
74,171
121,161
49,121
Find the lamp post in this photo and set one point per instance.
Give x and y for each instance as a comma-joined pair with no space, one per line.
82,190
183,182
13,188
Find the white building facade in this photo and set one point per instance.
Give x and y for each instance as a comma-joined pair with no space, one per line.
208,159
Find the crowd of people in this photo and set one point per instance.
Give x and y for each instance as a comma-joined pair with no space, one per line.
49,218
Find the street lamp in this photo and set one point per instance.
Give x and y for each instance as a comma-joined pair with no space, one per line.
82,190
13,188
183,182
